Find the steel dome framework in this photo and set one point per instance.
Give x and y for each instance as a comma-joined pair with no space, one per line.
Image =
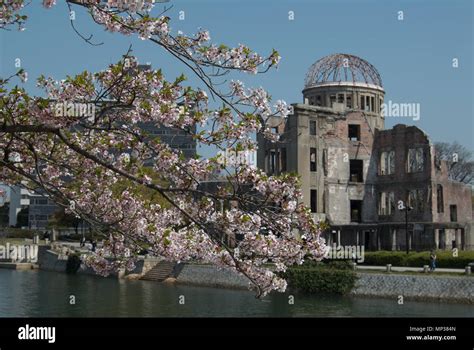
339,68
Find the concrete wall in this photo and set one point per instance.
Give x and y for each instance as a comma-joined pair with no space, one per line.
399,139
454,193
334,152
415,287
211,276
355,92
52,261
411,287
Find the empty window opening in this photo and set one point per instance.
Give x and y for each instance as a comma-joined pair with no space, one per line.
314,201
340,98
416,200
312,159
312,127
349,101
356,211
325,161
324,202
354,132
356,170
387,163
453,213
283,159
318,100
415,160
272,162
439,196
442,239
386,203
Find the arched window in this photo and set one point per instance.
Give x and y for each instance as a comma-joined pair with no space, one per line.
387,163
415,160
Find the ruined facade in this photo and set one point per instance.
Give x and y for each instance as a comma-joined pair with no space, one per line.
359,177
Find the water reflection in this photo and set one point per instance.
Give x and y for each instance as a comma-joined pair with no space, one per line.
41,293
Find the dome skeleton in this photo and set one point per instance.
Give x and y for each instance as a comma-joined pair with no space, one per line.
342,68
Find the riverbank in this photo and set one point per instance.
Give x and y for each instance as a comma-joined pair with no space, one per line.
416,287
409,285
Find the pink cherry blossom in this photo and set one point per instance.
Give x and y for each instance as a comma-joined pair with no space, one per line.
137,192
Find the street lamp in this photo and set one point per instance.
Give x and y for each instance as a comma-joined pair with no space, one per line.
406,209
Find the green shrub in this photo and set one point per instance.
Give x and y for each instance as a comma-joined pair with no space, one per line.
384,258
11,232
319,279
445,259
418,259
73,263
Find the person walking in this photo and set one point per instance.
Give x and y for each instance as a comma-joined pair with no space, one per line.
432,261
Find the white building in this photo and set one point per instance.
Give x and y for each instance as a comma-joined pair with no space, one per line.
40,207
19,199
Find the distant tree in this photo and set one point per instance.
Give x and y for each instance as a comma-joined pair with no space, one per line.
22,218
459,159
4,214
62,219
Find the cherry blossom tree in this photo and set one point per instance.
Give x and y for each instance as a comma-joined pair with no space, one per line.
133,189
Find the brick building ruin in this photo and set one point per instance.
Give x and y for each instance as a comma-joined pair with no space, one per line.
359,176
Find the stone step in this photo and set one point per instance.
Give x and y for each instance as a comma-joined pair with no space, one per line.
159,272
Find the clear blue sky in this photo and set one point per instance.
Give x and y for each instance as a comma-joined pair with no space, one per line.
413,56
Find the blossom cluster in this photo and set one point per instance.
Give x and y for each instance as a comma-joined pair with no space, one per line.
9,13
142,195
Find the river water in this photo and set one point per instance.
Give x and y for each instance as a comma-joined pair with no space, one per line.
49,294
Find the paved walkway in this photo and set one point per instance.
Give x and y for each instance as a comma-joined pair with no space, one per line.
404,268
16,266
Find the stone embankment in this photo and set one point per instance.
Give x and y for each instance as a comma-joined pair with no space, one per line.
441,288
